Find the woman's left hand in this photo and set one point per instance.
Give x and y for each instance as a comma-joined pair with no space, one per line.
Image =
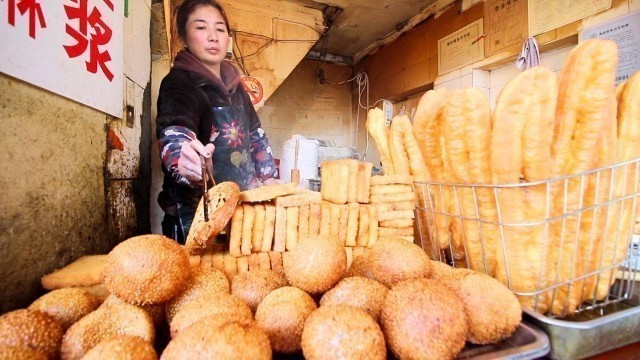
271,181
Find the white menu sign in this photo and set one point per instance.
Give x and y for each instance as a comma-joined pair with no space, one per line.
625,31
73,48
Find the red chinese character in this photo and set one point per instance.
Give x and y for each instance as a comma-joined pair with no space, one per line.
99,35
34,10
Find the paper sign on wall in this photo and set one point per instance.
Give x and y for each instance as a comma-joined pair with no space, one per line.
545,15
73,48
461,48
506,25
625,31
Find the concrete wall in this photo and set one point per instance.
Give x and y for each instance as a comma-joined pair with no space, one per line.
301,105
52,187
64,192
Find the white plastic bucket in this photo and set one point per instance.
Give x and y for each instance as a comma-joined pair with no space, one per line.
307,158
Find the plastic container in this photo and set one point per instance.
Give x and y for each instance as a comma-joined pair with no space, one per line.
307,161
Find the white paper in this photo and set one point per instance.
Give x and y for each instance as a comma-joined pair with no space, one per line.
625,31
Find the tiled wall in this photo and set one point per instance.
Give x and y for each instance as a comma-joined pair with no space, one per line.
492,82
498,78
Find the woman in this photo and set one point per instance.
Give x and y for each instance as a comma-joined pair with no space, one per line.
204,112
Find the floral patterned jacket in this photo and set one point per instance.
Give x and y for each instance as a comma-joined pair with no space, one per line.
194,103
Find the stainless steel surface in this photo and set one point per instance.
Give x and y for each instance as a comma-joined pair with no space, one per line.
593,331
528,342
570,201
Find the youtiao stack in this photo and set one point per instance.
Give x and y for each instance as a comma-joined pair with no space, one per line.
540,192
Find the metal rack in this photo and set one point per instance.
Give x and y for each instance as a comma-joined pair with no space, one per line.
558,244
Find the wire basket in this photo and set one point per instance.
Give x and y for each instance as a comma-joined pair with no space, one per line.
558,244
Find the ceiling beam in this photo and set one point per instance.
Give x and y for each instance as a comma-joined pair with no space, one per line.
330,58
435,8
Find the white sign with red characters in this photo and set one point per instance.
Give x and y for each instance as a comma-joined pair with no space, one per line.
73,48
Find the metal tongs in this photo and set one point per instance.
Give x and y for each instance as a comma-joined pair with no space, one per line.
206,176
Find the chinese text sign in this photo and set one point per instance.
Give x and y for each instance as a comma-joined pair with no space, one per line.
73,48
625,31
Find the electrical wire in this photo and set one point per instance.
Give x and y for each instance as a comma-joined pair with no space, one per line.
362,79
273,38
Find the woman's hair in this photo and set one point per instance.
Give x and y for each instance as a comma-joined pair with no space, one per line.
189,6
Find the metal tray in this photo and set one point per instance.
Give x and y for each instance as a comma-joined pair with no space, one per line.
594,331
528,342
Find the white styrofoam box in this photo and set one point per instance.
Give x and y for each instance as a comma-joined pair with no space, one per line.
451,85
455,74
466,81
554,60
137,43
480,78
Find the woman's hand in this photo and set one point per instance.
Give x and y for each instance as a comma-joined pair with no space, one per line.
189,165
270,181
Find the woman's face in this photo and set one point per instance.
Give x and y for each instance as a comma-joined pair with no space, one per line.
206,36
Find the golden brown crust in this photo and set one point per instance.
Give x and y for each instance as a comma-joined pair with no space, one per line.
235,235
392,261
335,181
586,87
85,271
223,199
380,133
258,228
147,269
219,304
364,182
413,315
291,237
391,179
521,146
155,311
268,192
201,284
304,197
249,215
105,323
226,340
493,311
399,155
269,227
122,348
402,125
66,305
345,330
32,329
251,287
427,123
20,353
315,265
282,315
363,293
628,119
